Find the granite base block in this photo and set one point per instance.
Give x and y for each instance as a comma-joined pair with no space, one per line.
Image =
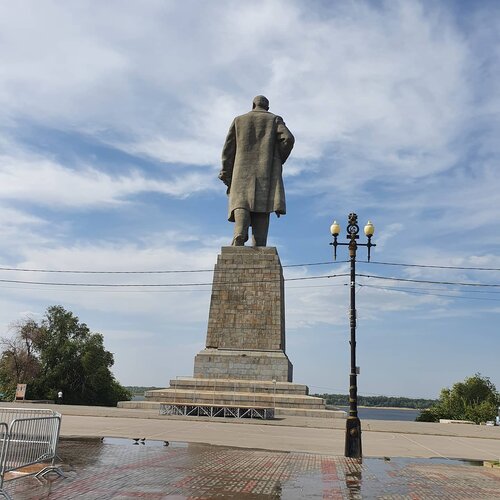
243,365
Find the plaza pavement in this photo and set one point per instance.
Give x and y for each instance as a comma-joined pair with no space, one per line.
118,470
293,434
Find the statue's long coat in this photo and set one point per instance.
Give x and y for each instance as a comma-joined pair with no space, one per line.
257,145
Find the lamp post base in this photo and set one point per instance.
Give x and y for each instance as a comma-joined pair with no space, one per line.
353,438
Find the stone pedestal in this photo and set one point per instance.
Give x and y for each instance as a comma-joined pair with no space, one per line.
247,308
246,323
244,363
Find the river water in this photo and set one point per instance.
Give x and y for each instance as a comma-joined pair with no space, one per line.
385,413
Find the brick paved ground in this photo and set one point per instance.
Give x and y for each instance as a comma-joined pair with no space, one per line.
117,469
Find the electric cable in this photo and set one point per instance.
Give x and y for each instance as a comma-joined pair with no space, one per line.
215,283
428,293
158,271
306,264
431,266
410,280
432,289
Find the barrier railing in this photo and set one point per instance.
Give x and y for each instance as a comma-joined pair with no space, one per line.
29,436
7,415
201,410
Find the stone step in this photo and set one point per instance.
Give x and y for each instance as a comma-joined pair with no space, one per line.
229,400
225,384
236,398
278,411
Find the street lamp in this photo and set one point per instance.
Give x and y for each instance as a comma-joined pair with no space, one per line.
353,424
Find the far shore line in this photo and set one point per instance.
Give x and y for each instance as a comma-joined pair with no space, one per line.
383,407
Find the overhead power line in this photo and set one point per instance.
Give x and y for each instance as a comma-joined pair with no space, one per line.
53,283
305,264
424,289
457,283
303,278
415,292
158,271
430,266
72,271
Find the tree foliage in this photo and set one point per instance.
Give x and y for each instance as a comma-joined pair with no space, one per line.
18,360
378,401
139,390
60,354
475,399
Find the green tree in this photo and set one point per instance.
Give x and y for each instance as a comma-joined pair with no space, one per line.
18,361
69,357
378,401
475,399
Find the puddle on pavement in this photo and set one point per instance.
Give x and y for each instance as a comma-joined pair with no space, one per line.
367,460
463,461
143,442
95,469
374,461
432,460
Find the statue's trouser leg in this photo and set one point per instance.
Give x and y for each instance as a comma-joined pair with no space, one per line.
260,226
241,224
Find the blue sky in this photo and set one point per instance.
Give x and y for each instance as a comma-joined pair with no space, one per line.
113,119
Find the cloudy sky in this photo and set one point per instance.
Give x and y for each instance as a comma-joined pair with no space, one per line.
113,119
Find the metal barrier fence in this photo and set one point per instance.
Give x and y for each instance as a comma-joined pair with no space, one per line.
200,410
7,415
29,436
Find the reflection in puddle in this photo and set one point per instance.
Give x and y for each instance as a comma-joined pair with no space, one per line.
353,482
144,442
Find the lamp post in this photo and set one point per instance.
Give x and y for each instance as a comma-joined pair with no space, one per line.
353,424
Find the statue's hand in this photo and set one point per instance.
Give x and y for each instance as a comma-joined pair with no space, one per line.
223,177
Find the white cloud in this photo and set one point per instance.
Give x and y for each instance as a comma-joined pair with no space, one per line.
179,151
351,85
41,181
10,217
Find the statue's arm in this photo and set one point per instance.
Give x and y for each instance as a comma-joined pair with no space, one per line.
228,156
285,138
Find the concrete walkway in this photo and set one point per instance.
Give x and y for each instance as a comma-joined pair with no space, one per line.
295,434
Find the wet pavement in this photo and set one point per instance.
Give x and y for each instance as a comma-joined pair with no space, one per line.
120,469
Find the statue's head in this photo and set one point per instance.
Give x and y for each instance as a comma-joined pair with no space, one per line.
260,102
